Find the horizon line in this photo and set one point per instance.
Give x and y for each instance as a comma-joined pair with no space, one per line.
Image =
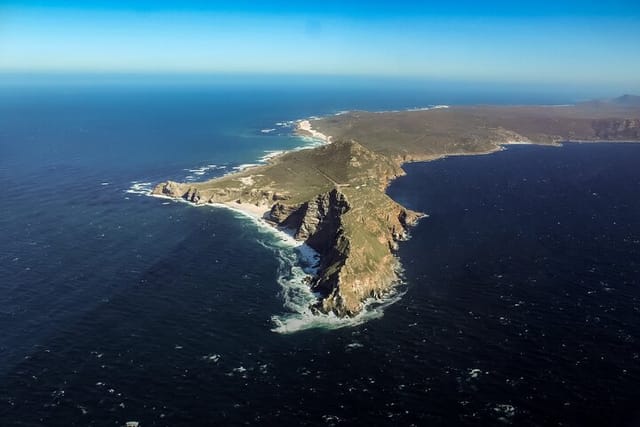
25,74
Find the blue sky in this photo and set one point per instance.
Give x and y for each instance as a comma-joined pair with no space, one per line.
583,42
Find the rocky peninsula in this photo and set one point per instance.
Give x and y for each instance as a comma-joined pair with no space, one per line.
333,197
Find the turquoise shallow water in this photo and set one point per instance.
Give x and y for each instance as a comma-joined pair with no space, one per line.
520,304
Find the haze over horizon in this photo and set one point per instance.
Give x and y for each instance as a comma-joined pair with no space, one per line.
585,43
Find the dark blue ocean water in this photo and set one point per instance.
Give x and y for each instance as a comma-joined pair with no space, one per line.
521,304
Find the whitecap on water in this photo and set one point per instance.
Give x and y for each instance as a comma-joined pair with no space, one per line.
211,358
270,154
199,172
474,373
504,411
244,166
138,187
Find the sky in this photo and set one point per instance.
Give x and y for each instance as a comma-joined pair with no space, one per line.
582,42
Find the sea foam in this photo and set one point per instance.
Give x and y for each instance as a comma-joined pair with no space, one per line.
138,187
296,268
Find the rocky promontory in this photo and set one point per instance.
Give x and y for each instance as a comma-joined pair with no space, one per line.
333,197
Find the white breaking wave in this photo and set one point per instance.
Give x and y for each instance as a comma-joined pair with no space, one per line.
244,166
138,187
427,108
270,154
198,172
298,299
295,270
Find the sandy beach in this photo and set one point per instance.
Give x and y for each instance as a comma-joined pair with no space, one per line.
257,212
303,127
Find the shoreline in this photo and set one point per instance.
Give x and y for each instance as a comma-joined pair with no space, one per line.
505,145
341,277
302,129
306,261
258,216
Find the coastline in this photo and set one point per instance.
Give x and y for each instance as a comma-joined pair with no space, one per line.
304,128
304,317
332,196
310,308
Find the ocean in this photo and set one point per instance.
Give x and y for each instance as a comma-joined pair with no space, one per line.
520,303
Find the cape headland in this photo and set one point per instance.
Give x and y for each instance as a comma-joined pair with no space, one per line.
333,196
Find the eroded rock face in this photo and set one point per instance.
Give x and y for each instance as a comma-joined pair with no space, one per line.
369,268
319,223
170,189
348,274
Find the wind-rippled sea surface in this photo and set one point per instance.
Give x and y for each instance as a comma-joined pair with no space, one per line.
521,304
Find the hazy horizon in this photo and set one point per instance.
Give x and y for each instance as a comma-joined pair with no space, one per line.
446,90
548,43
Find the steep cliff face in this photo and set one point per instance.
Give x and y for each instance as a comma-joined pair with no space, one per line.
371,230
172,189
319,222
356,244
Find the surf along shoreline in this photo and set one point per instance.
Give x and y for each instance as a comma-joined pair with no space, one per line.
302,316
295,271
